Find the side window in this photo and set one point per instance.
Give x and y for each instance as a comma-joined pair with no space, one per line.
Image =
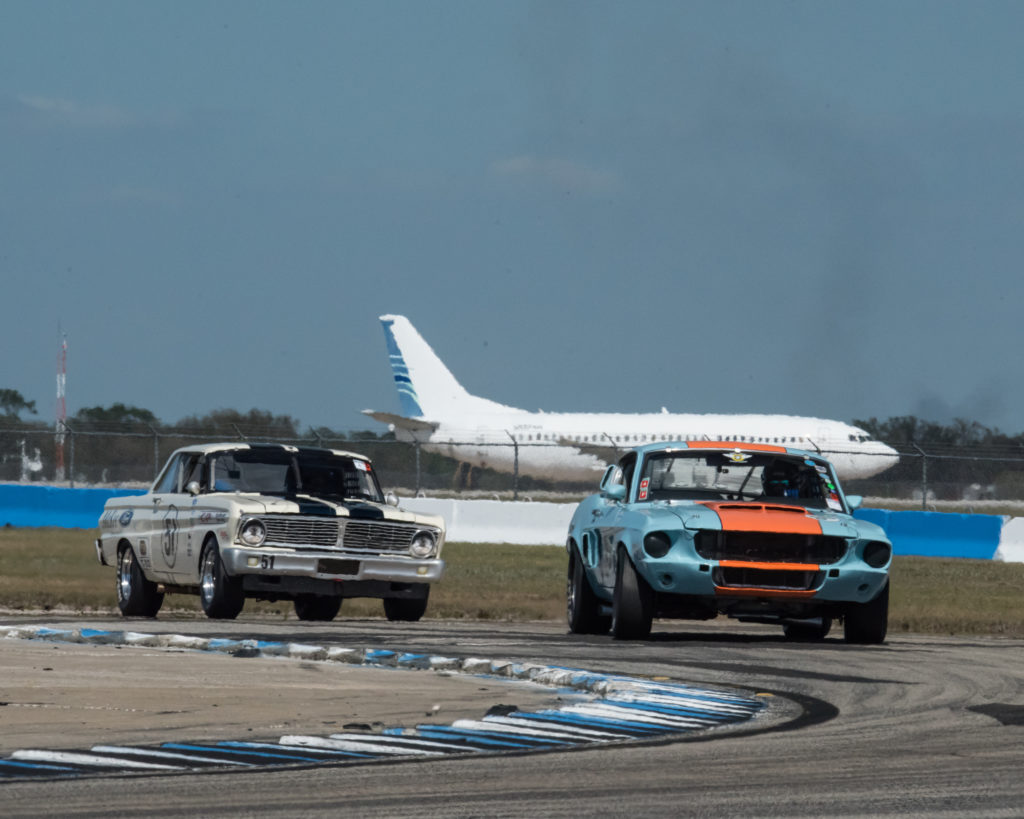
194,470
168,480
628,464
612,475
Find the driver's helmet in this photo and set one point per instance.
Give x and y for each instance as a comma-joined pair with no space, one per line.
779,480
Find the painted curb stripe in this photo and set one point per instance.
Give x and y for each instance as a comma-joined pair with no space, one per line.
602,708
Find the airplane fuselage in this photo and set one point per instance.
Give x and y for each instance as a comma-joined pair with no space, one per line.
564,446
439,413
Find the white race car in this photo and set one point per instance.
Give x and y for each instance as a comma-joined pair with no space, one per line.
271,522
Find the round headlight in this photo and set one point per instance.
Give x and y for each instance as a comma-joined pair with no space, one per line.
422,545
657,544
253,532
877,554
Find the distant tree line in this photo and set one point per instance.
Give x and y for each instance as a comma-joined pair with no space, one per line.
909,429
124,443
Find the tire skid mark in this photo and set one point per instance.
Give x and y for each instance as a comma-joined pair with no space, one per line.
609,708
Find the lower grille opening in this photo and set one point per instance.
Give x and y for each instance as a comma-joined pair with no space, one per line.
334,566
746,578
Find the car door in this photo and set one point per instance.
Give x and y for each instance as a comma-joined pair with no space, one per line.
608,515
171,519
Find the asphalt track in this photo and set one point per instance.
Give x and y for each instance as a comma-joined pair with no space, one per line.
922,726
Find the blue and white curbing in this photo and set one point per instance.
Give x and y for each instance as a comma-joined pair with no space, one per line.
609,708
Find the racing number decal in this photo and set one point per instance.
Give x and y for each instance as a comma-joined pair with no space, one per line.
169,541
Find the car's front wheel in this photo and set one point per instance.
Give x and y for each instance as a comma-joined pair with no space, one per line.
136,596
316,607
221,596
867,623
632,603
407,609
582,606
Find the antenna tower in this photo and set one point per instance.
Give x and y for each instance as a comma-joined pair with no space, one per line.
62,410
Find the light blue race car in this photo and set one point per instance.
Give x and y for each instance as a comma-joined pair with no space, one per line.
695,529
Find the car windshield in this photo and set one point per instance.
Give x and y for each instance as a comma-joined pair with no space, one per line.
736,475
280,472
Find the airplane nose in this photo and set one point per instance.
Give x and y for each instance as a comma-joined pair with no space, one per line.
885,456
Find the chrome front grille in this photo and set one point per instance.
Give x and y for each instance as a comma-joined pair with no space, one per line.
378,537
301,531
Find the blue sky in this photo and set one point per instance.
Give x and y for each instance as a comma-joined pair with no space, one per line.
814,208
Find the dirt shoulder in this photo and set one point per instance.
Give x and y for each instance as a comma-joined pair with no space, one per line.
70,696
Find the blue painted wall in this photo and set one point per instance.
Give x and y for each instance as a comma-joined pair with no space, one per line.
938,534
931,534
35,506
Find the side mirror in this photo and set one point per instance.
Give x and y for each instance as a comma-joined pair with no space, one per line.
854,501
391,499
614,491
192,487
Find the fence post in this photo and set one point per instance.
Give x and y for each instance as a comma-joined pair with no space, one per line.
924,478
515,466
156,451
71,457
416,442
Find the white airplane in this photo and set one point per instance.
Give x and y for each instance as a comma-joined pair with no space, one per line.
439,413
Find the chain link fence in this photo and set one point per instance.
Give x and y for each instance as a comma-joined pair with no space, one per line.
926,476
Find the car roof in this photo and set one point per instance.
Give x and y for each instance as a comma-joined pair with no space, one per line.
727,446
226,446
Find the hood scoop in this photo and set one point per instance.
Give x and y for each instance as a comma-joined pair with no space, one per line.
364,511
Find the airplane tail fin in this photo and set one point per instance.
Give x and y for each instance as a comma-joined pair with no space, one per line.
426,387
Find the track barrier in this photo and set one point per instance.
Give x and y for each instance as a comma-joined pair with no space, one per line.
930,534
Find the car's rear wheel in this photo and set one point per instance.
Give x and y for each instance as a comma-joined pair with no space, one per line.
867,623
808,630
406,609
221,596
136,596
632,603
316,607
583,608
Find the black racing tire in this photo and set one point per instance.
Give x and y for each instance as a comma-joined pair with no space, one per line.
808,630
317,607
632,602
220,595
406,609
867,623
136,596
582,606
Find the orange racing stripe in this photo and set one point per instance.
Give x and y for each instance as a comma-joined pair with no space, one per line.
756,517
781,567
734,445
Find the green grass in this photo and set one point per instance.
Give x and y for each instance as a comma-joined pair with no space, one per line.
49,569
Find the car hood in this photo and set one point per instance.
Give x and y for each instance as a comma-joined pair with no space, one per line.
321,507
762,517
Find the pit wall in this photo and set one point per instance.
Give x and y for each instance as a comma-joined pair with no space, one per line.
931,534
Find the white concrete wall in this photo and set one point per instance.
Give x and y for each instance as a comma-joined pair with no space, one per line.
490,521
1011,541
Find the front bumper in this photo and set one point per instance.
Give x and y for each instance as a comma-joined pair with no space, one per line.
330,565
849,581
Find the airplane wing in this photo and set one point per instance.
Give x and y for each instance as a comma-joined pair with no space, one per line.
411,424
605,452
